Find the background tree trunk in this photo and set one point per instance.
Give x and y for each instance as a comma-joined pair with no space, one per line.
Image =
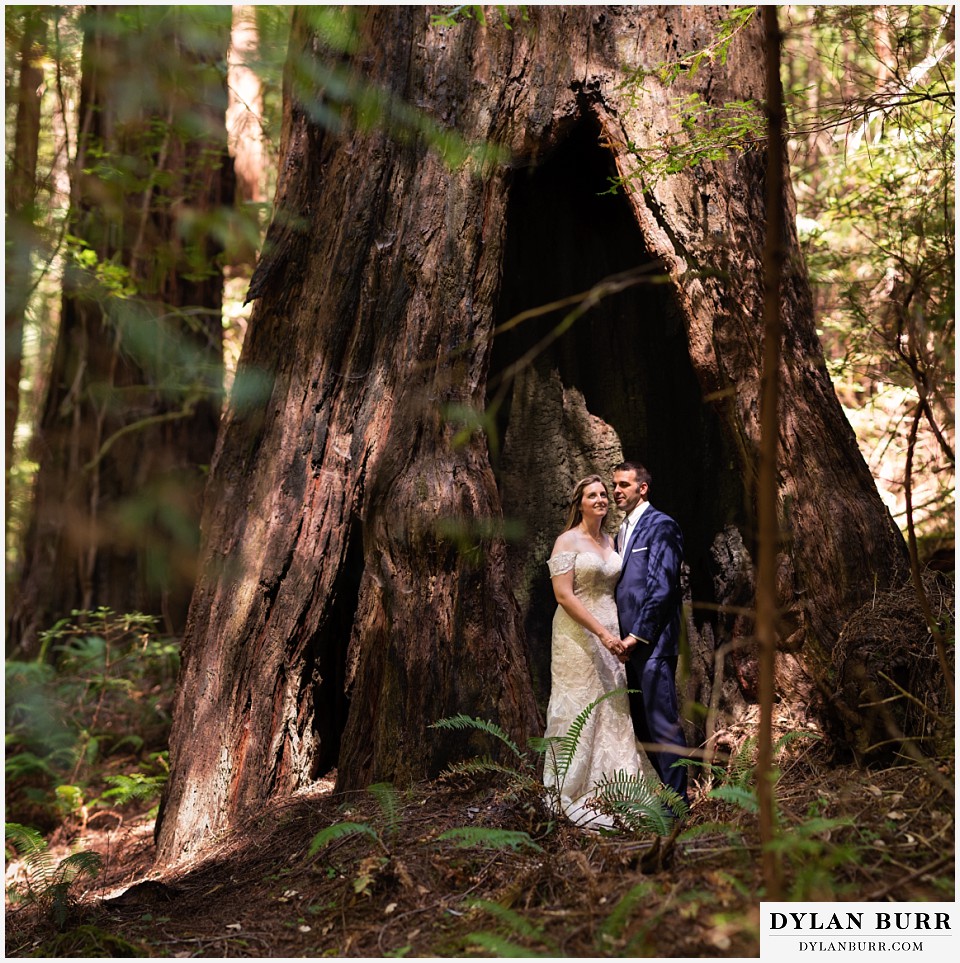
131,411
359,527
20,198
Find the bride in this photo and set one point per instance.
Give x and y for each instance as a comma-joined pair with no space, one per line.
584,568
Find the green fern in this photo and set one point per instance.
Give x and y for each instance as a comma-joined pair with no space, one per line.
501,947
48,885
616,922
565,746
519,925
338,831
640,805
461,722
740,796
485,838
478,767
137,787
388,799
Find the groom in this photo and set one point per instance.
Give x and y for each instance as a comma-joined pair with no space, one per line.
648,606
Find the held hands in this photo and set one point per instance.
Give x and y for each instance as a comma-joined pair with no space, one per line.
612,644
626,646
621,648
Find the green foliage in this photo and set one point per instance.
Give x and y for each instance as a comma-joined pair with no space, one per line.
702,131
739,796
518,926
716,51
638,804
561,749
48,885
611,931
451,16
339,831
815,849
871,103
462,722
387,798
485,838
100,686
136,787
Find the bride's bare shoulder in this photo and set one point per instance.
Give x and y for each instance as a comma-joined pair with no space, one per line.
566,542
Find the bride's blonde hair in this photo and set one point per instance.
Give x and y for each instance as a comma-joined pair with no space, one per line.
574,515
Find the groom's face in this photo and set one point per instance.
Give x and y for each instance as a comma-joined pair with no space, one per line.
627,491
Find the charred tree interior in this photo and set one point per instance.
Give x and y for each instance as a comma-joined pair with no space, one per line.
568,230
326,658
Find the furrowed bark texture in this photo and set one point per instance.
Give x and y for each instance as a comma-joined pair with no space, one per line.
130,417
356,534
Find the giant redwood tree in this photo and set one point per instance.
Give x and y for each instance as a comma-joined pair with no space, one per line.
129,421
447,347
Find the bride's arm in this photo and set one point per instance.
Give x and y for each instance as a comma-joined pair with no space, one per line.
571,604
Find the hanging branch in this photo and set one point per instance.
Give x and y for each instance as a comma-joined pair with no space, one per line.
932,625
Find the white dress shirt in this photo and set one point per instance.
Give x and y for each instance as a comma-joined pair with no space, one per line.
626,531
628,525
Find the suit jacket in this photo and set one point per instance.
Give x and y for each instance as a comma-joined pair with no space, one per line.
648,592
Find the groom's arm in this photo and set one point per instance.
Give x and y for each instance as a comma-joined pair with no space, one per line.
660,599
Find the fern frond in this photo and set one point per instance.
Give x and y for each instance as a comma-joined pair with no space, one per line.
736,795
32,848
643,805
741,764
567,744
519,924
388,798
137,787
481,766
613,926
540,744
84,863
498,946
709,829
24,839
461,722
789,737
338,831
486,838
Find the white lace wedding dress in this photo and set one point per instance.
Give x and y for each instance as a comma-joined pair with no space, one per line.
582,671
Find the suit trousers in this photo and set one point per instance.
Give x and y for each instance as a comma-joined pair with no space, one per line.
656,715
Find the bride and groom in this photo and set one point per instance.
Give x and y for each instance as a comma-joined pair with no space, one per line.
617,625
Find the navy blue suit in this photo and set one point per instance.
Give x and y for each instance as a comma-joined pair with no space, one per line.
648,606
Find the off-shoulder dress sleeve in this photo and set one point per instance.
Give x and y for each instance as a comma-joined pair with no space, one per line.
561,562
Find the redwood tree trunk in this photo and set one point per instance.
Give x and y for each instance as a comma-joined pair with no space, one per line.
20,226
360,530
130,417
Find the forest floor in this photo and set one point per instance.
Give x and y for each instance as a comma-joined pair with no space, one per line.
398,889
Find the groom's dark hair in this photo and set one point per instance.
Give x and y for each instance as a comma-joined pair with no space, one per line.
643,476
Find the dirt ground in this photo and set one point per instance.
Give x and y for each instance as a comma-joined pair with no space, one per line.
398,889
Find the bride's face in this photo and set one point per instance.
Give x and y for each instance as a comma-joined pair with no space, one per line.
594,502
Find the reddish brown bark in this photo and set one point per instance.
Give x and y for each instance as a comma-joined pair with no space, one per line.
354,533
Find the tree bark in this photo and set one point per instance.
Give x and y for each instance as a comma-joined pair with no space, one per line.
360,528
131,411
768,549
245,106
20,229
